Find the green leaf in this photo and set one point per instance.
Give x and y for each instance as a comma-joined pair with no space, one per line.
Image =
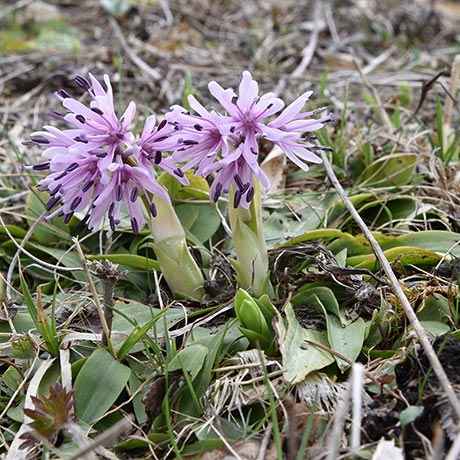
200,219
117,8
190,359
391,170
348,340
319,297
300,358
98,385
45,232
410,414
405,255
130,260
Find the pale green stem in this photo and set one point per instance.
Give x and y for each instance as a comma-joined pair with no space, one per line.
251,263
179,268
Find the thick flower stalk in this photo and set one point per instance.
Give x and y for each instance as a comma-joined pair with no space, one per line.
227,146
99,168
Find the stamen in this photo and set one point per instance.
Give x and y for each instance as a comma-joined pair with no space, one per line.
153,209
238,181
120,136
190,142
80,118
163,138
237,198
119,193
179,172
198,127
97,110
161,125
52,202
250,194
76,201
234,99
64,94
52,193
72,167
56,115
112,223
134,194
135,225
217,192
87,186
81,138
82,82
61,176
68,217
158,157
39,140
41,166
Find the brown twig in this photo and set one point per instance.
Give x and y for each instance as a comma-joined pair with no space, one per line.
398,291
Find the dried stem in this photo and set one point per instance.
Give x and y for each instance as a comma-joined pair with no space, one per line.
398,291
100,310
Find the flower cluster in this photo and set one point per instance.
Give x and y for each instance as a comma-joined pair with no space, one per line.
228,144
97,165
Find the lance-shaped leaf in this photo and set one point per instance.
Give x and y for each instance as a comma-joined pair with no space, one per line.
300,357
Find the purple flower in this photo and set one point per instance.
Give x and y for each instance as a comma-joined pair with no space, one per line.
97,165
228,144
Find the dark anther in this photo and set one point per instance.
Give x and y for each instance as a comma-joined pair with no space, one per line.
217,192
52,202
76,201
135,225
232,129
178,172
238,181
119,193
234,99
161,125
80,118
134,194
190,142
163,138
269,106
111,208
198,127
56,115
120,136
253,151
81,224
64,94
87,186
237,198
250,194
68,217
112,223
82,82
97,110
81,138
61,176
72,167
153,209
158,157
39,140
56,190
41,166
